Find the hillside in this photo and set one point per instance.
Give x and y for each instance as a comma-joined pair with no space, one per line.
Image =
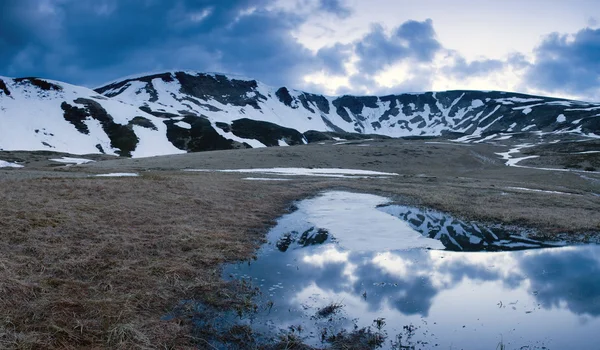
177,112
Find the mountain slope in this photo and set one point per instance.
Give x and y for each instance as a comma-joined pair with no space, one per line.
176,112
38,114
221,98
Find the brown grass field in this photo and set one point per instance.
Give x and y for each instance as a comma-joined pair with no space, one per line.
93,263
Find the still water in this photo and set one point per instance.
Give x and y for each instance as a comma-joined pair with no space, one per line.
343,260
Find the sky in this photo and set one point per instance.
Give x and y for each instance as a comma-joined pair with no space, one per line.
546,47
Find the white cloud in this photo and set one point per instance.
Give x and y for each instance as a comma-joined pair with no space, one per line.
200,15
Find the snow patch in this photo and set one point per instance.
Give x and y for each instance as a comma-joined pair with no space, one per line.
183,125
536,190
323,172
528,127
511,100
118,175
476,103
586,152
4,164
510,161
69,160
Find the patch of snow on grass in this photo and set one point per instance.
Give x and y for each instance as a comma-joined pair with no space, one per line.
586,152
561,118
69,160
324,172
118,175
265,179
446,143
510,161
507,156
4,164
536,190
183,125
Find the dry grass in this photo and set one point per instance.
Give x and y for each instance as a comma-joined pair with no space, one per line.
97,262
93,263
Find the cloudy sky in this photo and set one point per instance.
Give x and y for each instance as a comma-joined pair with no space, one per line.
547,47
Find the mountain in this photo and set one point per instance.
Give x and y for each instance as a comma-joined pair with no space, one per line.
37,114
179,111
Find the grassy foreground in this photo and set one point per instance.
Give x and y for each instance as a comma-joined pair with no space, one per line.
97,262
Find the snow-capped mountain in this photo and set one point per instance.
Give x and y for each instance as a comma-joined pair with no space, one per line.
188,111
38,114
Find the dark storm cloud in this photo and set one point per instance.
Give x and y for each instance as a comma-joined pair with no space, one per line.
88,42
412,39
568,64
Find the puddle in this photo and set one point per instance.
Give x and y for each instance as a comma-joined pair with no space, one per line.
346,261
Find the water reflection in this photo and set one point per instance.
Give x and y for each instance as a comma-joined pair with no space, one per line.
544,297
460,235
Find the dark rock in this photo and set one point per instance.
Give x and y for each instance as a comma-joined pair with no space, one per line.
4,88
166,77
284,96
121,136
223,126
75,116
143,122
157,113
198,103
320,101
355,105
220,88
201,137
316,136
39,83
267,133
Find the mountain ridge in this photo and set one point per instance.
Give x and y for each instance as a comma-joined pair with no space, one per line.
185,111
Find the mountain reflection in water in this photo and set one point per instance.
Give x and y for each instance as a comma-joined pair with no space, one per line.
542,297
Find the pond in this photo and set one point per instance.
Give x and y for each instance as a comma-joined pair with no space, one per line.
347,261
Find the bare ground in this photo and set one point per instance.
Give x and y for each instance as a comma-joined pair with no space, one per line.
90,262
